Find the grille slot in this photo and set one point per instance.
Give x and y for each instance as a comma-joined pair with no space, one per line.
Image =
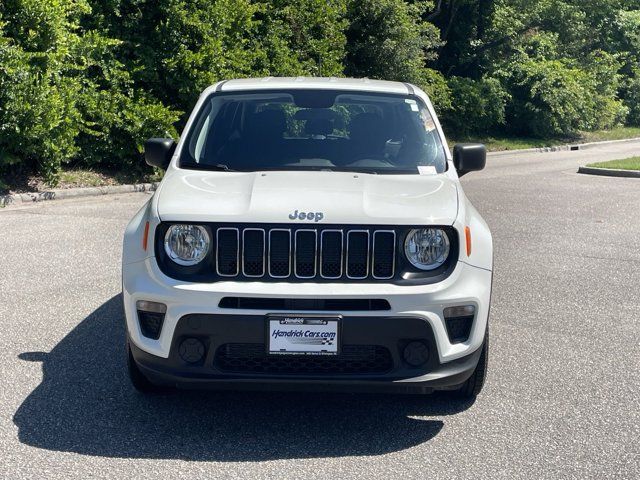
331,254
252,358
384,247
320,253
358,254
279,253
305,253
253,248
228,252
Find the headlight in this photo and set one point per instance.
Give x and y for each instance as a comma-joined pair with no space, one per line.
187,244
427,248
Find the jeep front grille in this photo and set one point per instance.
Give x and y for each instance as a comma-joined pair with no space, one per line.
309,252
305,253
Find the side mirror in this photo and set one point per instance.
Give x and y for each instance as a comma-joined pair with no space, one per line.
469,157
158,152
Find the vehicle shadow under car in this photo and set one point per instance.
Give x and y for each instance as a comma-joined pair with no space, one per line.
86,405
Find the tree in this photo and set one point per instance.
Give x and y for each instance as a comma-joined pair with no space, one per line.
301,37
388,39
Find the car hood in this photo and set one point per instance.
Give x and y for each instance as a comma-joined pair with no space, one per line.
275,197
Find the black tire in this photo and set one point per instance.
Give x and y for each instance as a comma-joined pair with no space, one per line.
138,380
473,386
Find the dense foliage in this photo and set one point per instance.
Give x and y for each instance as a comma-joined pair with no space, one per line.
86,81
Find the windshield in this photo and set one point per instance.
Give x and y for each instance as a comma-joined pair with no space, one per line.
314,130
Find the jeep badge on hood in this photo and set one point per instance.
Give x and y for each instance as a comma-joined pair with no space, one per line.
317,216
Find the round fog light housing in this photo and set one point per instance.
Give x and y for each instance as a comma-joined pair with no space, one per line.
416,353
191,350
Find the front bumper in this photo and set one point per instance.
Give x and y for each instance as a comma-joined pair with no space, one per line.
416,311
216,333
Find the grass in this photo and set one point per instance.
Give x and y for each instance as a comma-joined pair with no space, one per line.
632,163
498,143
501,143
619,133
21,180
89,178
84,178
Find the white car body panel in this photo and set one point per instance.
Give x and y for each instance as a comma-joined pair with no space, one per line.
342,197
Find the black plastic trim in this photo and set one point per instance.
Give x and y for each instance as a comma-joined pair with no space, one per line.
305,304
220,85
409,88
459,328
405,272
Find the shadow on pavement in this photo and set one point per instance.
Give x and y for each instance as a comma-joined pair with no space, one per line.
86,405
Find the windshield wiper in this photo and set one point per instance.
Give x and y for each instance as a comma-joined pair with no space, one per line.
204,166
221,166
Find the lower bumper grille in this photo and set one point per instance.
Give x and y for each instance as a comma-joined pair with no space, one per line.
353,360
300,304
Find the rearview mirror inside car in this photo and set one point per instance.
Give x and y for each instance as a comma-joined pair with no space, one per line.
469,157
158,152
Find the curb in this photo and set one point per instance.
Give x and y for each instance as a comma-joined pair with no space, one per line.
59,194
561,148
609,172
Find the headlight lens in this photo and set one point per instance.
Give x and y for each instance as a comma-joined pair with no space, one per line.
187,244
427,248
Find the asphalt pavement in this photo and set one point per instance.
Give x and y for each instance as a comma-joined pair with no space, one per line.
563,392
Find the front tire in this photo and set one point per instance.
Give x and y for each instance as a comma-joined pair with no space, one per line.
473,386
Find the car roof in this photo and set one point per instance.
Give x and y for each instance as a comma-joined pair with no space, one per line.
314,83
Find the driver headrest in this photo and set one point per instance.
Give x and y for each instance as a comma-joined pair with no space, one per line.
267,124
366,126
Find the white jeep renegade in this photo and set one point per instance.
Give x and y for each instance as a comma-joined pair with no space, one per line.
309,233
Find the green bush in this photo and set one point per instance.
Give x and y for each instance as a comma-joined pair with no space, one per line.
116,118
550,98
115,127
64,96
630,94
177,48
38,119
301,37
604,83
477,106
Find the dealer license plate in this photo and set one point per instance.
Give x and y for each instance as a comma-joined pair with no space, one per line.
303,335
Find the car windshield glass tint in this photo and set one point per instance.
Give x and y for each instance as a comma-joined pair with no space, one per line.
314,130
